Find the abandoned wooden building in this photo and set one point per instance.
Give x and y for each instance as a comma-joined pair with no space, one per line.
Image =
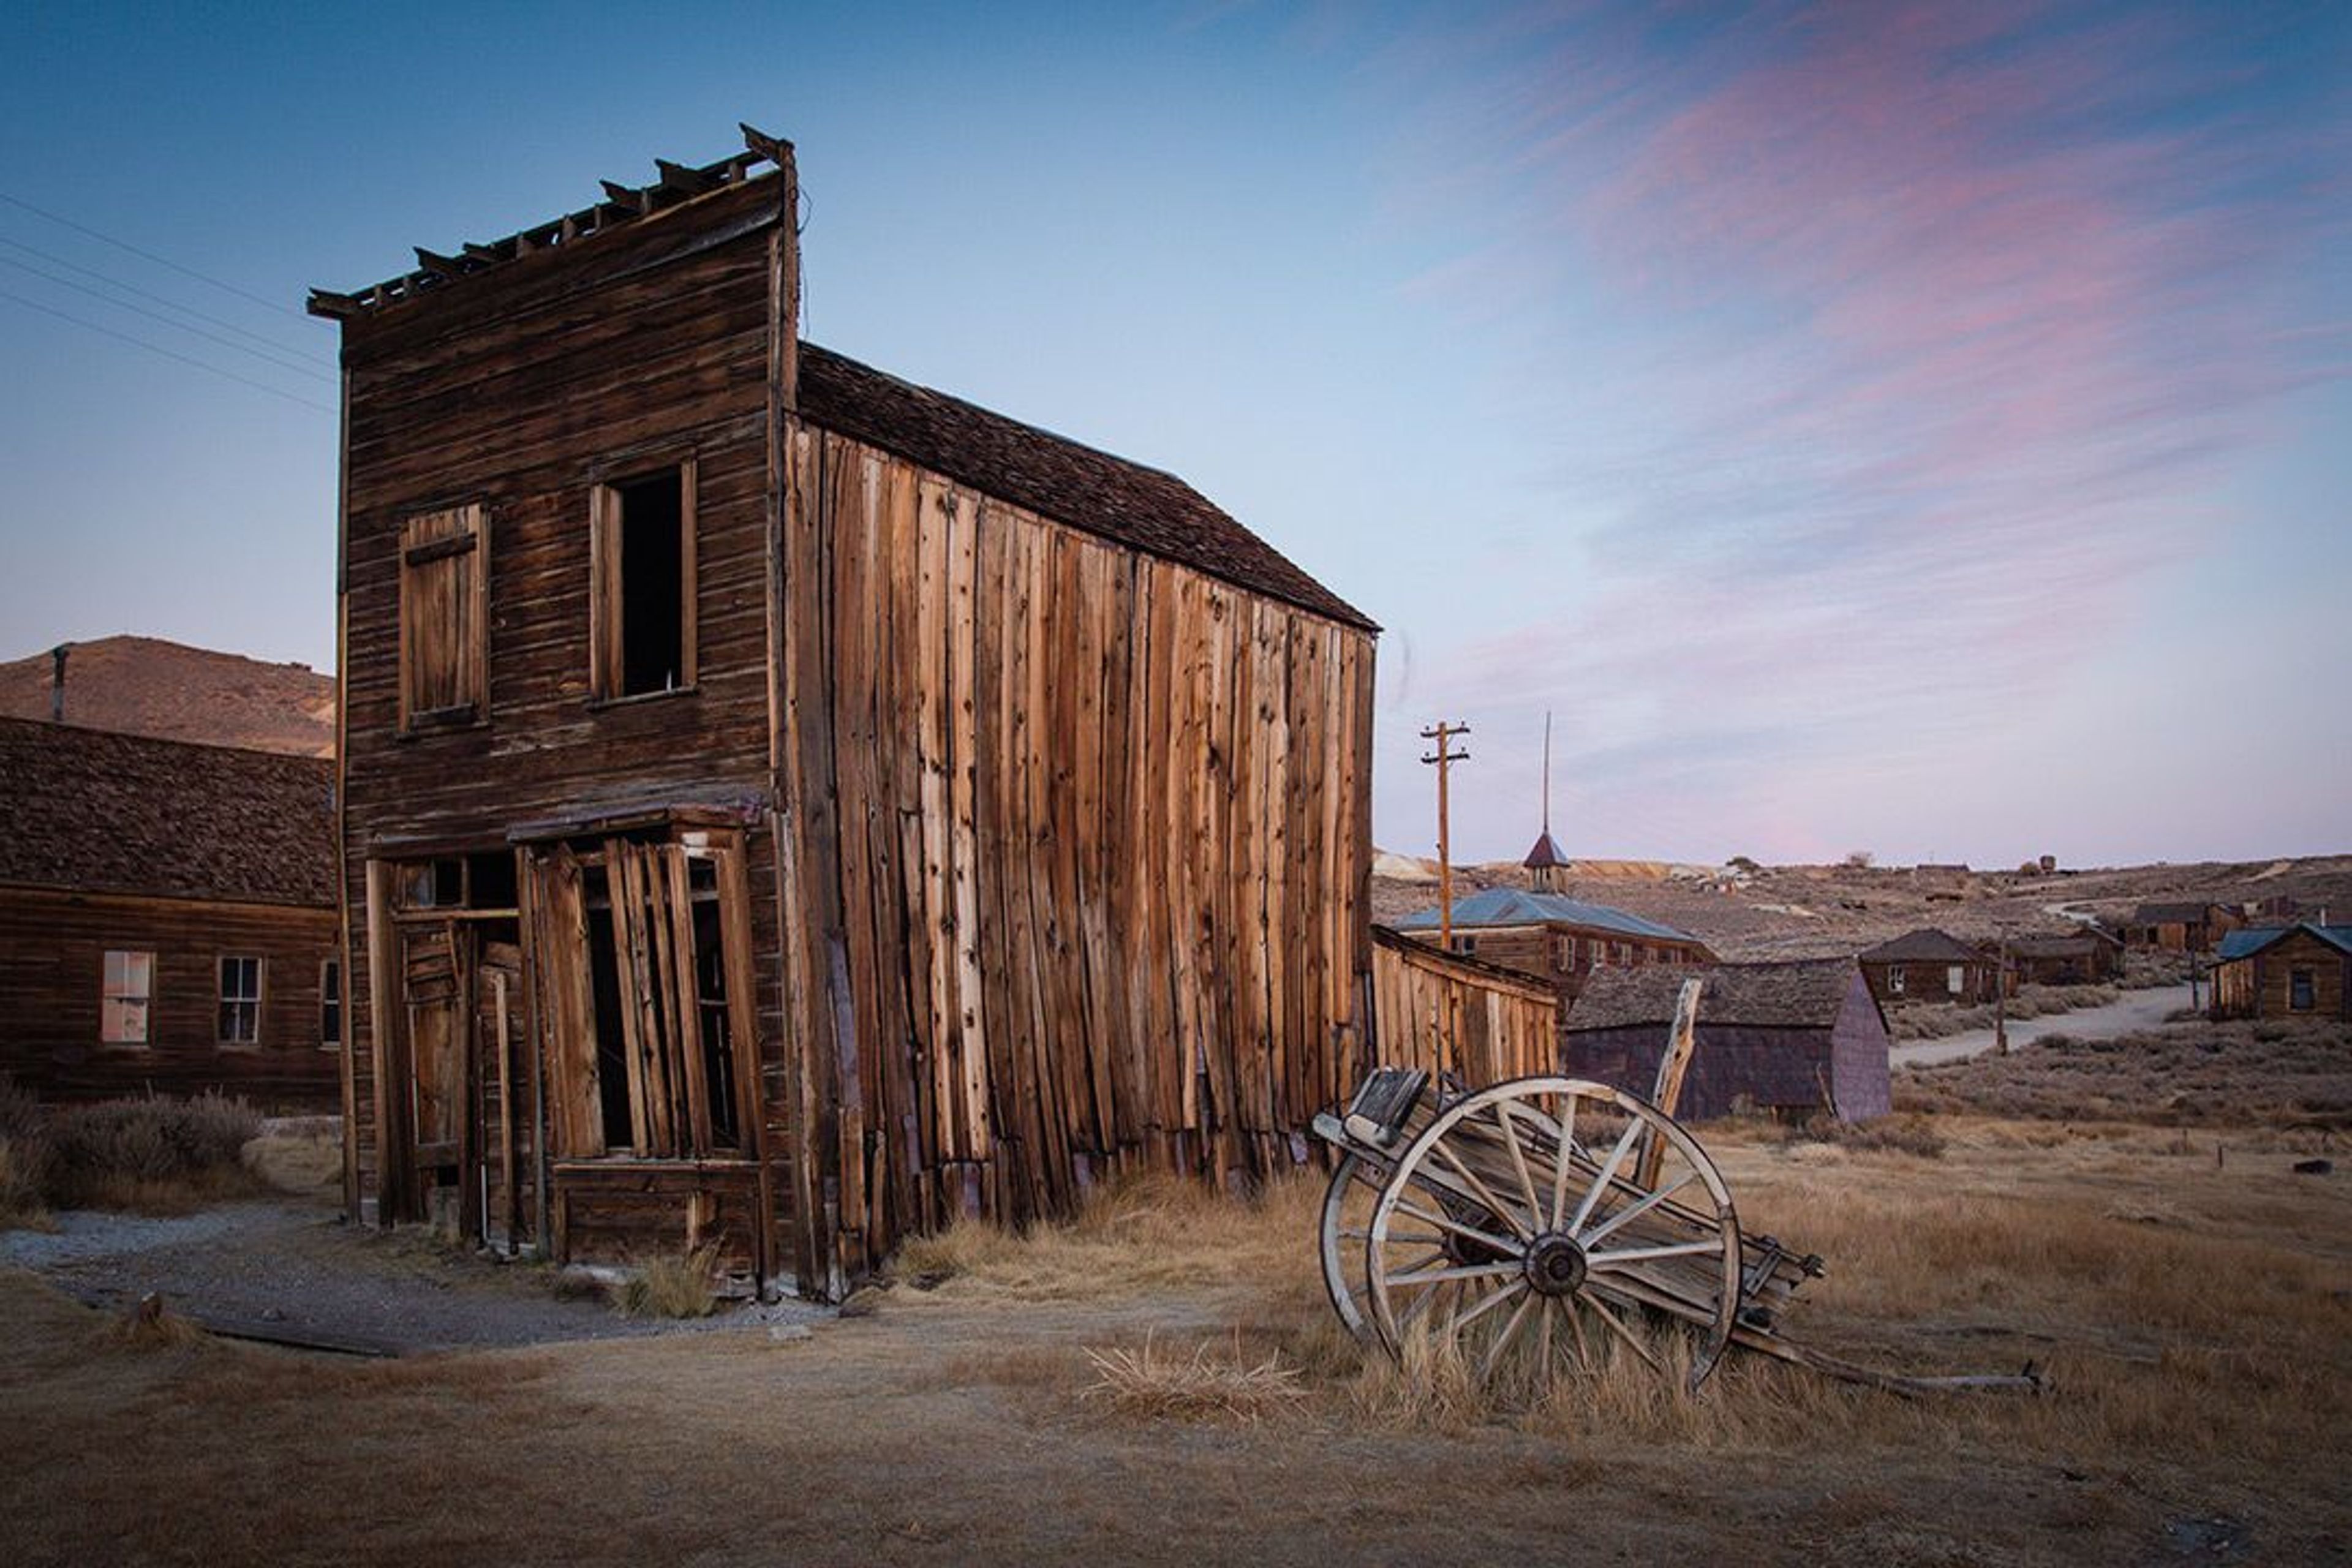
1788,1039
1559,940
2088,955
2288,972
787,808
2181,927
167,917
1929,965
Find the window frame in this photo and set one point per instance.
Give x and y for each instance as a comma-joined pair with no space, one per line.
607,578
331,996
145,998
429,539
223,1001
1896,980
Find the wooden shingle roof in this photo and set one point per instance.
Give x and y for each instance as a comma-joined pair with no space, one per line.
1927,945
1126,503
99,812
1800,994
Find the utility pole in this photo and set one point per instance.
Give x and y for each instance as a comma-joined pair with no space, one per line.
2000,997
1444,734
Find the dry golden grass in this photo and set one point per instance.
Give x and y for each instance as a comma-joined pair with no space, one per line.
675,1287
1150,1381
149,1324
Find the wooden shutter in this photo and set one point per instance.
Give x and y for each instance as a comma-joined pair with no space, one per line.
445,578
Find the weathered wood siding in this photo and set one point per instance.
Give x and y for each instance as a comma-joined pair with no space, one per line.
1739,1067
1442,1012
520,391
1077,857
2262,985
52,951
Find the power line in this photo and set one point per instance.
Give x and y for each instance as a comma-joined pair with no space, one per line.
221,321
148,255
267,358
167,354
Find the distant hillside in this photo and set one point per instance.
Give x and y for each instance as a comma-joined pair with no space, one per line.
145,685
1804,912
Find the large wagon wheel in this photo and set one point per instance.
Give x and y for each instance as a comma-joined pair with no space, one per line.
1348,1202
1532,1226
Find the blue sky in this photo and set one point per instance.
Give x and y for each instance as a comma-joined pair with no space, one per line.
1921,429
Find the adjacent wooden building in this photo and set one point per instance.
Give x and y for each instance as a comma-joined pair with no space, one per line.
2085,956
1930,965
787,808
167,917
1558,939
1791,1039
1445,1013
2292,971
2182,927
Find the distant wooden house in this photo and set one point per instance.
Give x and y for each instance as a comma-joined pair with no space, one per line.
2181,927
167,917
2294,972
1929,965
788,807
2088,956
1559,940
1785,1040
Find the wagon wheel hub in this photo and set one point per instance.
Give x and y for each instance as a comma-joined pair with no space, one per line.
1555,1265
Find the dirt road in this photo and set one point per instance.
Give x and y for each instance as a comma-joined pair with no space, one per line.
2138,1010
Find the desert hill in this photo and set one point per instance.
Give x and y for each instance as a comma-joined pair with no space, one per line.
146,686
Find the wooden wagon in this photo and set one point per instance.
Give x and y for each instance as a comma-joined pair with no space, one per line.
1545,1226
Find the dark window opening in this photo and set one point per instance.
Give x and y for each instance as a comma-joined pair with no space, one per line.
490,881
612,1051
330,1002
2302,994
717,1025
649,566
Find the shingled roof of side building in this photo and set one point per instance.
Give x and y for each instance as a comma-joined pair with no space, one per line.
1516,907
95,812
1796,993
1053,476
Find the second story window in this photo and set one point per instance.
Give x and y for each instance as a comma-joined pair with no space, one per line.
641,615
445,623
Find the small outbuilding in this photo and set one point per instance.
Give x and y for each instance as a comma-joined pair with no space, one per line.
1790,1039
1929,965
2181,927
2289,972
1555,938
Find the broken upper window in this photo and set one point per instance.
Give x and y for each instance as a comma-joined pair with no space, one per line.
240,1001
641,621
125,986
445,578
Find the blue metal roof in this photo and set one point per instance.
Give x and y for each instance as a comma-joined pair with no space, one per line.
1513,907
2240,945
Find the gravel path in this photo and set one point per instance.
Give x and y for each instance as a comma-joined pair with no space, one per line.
286,1264
2138,1010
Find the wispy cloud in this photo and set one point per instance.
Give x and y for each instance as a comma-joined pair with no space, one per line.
1886,349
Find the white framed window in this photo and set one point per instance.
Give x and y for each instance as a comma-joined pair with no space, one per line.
1956,979
240,1000
1895,980
126,986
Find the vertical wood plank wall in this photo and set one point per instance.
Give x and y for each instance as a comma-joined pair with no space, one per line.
1445,1014
1074,858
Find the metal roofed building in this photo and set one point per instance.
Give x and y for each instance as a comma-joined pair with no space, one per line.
2285,971
1556,938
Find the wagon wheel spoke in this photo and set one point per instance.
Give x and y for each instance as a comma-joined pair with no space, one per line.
1494,1355
1483,1194
1601,1231
1608,1173
1631,1339
1480,1308
1506,1116
1567,1159
1482,1237
1454,1271
1624,1255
